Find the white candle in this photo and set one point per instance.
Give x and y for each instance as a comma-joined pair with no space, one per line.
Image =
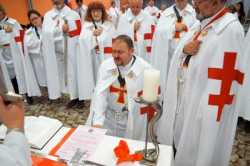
151,85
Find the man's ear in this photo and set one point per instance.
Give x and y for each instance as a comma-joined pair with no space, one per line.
132,50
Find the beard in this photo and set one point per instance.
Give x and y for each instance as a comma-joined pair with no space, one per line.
199,16
118,61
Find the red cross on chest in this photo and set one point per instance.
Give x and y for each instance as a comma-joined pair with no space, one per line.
227,75
177,34
19,39
121,91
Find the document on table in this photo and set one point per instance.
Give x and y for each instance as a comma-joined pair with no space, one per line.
81,144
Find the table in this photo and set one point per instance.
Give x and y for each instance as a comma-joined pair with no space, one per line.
104,153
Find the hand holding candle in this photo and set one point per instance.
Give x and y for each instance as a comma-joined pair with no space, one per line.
151,85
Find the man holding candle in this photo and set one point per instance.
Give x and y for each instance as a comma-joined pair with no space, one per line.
120,80
199,116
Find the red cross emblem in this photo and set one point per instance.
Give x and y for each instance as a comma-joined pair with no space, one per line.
227,75
20,38
149,110
121,92
149,36
177,34
77,31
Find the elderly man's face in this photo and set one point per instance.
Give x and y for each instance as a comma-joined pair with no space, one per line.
121,53
135,6
58,4
205,8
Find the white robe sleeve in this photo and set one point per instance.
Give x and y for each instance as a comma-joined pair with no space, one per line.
15,150
99,107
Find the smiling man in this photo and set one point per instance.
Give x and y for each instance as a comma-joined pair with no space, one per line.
199,117
120,79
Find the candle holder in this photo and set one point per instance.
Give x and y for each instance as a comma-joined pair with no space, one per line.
150,156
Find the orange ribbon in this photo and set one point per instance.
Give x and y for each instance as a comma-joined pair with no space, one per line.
122,153
39,161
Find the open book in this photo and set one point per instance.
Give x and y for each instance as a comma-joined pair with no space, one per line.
38,130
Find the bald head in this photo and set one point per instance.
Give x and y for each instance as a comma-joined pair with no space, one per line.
135,6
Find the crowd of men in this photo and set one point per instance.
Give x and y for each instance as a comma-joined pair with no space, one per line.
91,53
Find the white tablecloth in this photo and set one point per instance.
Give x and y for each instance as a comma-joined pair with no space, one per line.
104,153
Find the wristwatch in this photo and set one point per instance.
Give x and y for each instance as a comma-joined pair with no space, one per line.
15,129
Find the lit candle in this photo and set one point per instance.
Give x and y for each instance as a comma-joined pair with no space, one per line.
151,85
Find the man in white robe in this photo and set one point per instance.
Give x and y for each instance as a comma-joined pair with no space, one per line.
167,35
81,9
114,13
120,79
199,116
140,26
15,148
244,96
12,55
61,29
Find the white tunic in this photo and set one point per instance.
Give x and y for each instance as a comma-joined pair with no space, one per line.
201,134
101,105
33,45
114,13
60,52
143,37
15,150
244,97
164,43
5,39
89,58
152,11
